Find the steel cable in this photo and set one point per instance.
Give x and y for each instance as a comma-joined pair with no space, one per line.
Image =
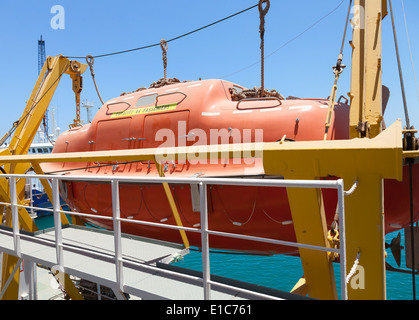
170,40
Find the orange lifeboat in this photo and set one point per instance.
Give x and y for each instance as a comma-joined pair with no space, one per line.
204,113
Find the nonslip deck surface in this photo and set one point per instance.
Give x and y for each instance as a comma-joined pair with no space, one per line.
96,263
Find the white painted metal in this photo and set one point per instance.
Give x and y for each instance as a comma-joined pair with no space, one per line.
57,224
205,242
15,216
117,234
120,262
342,239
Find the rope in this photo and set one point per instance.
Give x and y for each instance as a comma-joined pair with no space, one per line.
353,269
400,69
410,51
337,70
262,14
344,36
90,61
289,41
352,189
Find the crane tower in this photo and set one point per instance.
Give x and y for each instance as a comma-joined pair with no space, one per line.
41,61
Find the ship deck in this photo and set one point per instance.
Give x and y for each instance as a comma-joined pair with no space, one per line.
89,255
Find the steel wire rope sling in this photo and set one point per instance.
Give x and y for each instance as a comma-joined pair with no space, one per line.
409,143
333,234
262,13
337,70
163,43
90,61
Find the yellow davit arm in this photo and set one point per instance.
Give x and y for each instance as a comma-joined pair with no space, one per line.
24,132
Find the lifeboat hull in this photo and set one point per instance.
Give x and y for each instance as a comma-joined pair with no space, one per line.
202,113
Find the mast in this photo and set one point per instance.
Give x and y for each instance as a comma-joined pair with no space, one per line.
366,115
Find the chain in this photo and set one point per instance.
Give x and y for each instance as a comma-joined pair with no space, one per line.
76,122
256,92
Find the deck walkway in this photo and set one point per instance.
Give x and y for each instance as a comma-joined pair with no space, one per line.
89,255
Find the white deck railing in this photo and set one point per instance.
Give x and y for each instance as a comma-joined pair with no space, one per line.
204,230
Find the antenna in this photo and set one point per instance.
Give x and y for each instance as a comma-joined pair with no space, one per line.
88,105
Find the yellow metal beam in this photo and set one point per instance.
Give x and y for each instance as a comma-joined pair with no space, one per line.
366,98
300,287
310,228
68,285
173,206
25,131
356,159
350,158
365,235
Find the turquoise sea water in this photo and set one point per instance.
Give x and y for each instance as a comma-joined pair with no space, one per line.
279,271
282,272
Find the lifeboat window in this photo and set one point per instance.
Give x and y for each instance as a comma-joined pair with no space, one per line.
146,100
117,107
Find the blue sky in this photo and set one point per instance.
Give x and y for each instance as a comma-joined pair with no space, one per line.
228,50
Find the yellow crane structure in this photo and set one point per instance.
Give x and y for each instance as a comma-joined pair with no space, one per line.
358,159
24,131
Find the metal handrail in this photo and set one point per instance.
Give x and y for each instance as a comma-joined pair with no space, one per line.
204,230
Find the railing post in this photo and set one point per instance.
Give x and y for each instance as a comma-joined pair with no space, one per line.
342,238
57,223
15,216
117,234
205,241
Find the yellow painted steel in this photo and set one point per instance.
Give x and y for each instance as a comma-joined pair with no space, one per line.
310,228
365,224
25,131
68,285
364,211
356,159
300,287
379,155
366,89
388,145
173,206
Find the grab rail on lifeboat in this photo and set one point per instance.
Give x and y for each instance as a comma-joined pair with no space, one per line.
259,99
